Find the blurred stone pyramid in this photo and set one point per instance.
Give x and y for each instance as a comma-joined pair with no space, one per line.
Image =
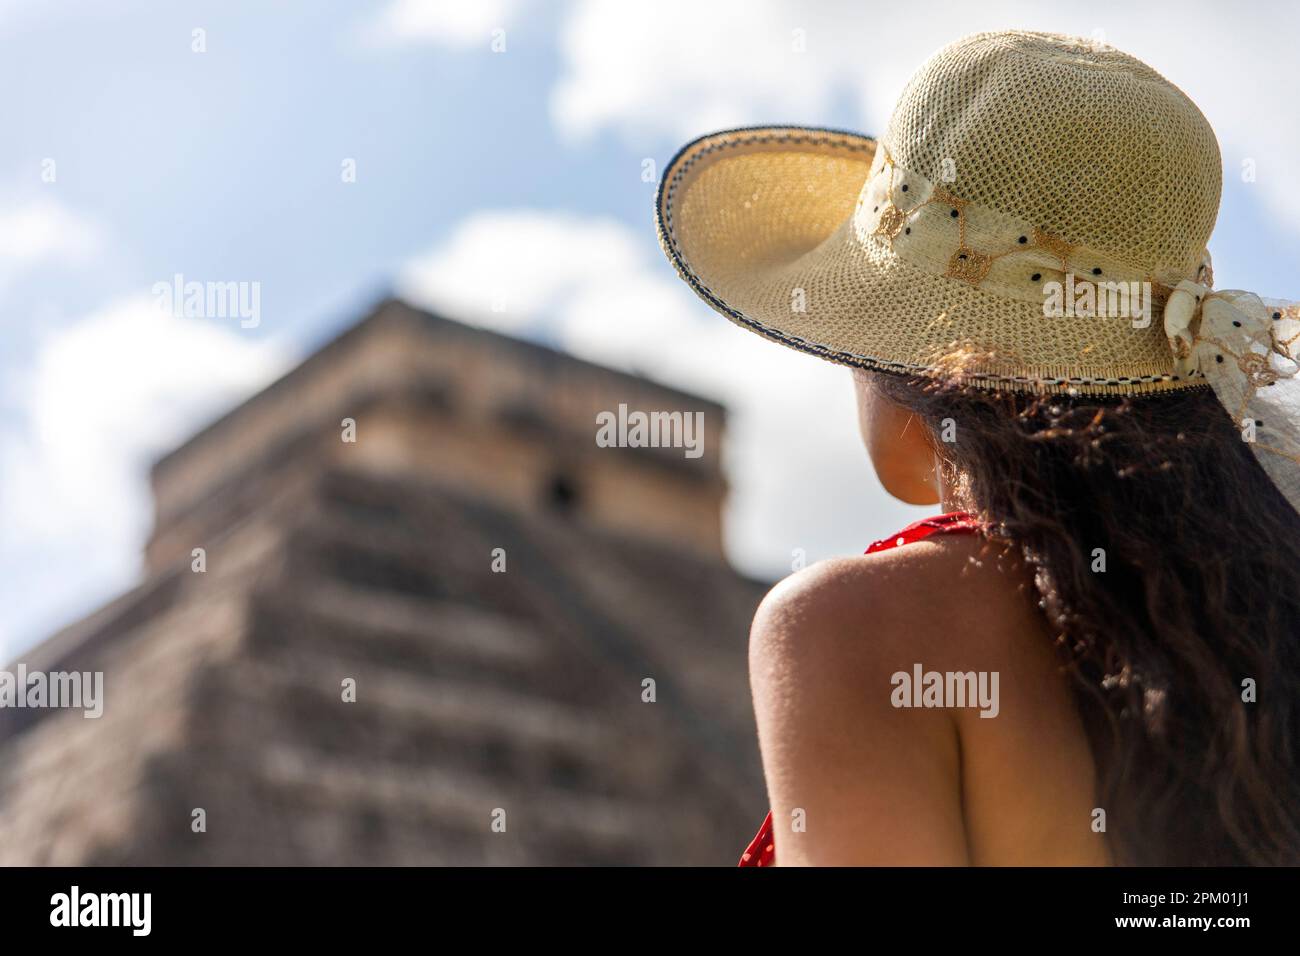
480,695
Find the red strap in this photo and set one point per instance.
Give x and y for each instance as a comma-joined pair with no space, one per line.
955,522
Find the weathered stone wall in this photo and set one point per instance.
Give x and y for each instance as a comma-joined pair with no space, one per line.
477,690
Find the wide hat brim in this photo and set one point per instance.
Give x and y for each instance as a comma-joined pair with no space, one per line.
760,223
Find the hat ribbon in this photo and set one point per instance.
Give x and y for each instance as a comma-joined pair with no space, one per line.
1245,348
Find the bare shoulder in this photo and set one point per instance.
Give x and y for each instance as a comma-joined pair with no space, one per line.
884,782
934,596
901,781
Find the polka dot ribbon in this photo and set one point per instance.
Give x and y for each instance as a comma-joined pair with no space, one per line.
1245,348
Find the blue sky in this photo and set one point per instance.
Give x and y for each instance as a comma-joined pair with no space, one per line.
480,174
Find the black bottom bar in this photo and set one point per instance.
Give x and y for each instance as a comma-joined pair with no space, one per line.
574,905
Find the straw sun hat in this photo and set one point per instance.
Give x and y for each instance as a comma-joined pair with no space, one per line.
1018,172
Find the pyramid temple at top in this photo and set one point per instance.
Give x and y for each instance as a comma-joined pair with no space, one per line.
402,607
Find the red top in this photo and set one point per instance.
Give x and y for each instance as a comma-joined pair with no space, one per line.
762,850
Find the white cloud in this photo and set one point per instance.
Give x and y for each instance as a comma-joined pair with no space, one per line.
605,294
43,230
452,23
98,401
679,68
519,264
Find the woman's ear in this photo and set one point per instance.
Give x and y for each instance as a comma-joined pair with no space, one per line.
898,444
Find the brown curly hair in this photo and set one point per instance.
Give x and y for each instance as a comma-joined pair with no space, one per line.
1200,595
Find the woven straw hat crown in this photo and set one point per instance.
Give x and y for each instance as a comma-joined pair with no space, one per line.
1085,141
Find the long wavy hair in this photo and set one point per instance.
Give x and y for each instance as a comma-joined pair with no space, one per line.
1184,653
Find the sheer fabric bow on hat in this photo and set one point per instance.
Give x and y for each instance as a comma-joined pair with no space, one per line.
1245,348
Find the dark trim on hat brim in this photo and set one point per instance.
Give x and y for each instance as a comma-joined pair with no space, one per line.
688,275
